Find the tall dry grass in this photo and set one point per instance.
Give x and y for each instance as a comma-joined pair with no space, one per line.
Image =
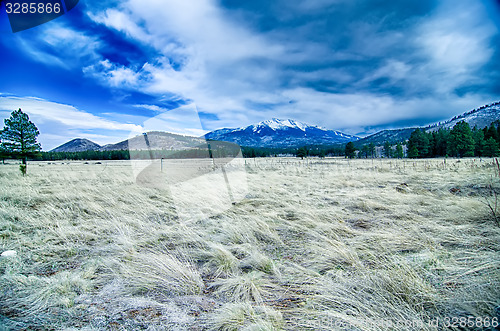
315,244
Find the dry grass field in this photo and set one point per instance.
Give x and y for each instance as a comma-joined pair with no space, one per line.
314,244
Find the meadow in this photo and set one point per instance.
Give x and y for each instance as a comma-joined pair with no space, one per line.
313,244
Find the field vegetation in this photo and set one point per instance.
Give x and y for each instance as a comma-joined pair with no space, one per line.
315,244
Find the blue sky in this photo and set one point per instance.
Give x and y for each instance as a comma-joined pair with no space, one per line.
107,67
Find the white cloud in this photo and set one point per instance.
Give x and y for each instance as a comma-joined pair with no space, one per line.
59,122
183,120
64,114
213,55
121,21
228,69
59,45
353,113
394,70
151,107
457,41
114,75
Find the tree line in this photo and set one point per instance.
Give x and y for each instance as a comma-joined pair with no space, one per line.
193,153
18,140
460,141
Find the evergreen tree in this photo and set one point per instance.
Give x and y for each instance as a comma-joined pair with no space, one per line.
479,142
399,151
431,138
371,150
418,144
491,148
497,123
302,152
350,150
440,142
412,152
388,149
3,152
460,141
491,132
19,137
365,151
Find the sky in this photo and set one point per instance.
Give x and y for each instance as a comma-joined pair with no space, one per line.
105,68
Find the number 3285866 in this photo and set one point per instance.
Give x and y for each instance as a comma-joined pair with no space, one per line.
32,8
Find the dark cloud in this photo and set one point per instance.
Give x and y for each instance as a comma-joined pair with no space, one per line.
374,46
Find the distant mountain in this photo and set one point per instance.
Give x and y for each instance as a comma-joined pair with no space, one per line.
480,117
280,133
77,145
393,136
157,140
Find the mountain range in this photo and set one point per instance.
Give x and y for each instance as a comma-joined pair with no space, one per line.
279,133
157,140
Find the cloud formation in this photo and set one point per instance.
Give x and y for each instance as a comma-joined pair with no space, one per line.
356,66
65,120
311,62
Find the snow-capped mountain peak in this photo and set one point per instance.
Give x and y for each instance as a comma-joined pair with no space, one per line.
280,124
279,133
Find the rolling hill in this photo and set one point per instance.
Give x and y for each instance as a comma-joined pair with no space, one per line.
157,140
480,117
77,145
393,136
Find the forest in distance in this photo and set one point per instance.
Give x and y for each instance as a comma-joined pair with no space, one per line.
459,141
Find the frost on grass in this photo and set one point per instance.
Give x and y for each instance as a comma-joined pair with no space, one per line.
313,243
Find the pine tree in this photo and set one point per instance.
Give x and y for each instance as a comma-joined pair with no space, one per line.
19,137
440,142
491,132
418,144
497,123
431,138
371,150
460,141
399,151
412,152
491,148
302,152
350,150
3,152
479,142
363,153
388,149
